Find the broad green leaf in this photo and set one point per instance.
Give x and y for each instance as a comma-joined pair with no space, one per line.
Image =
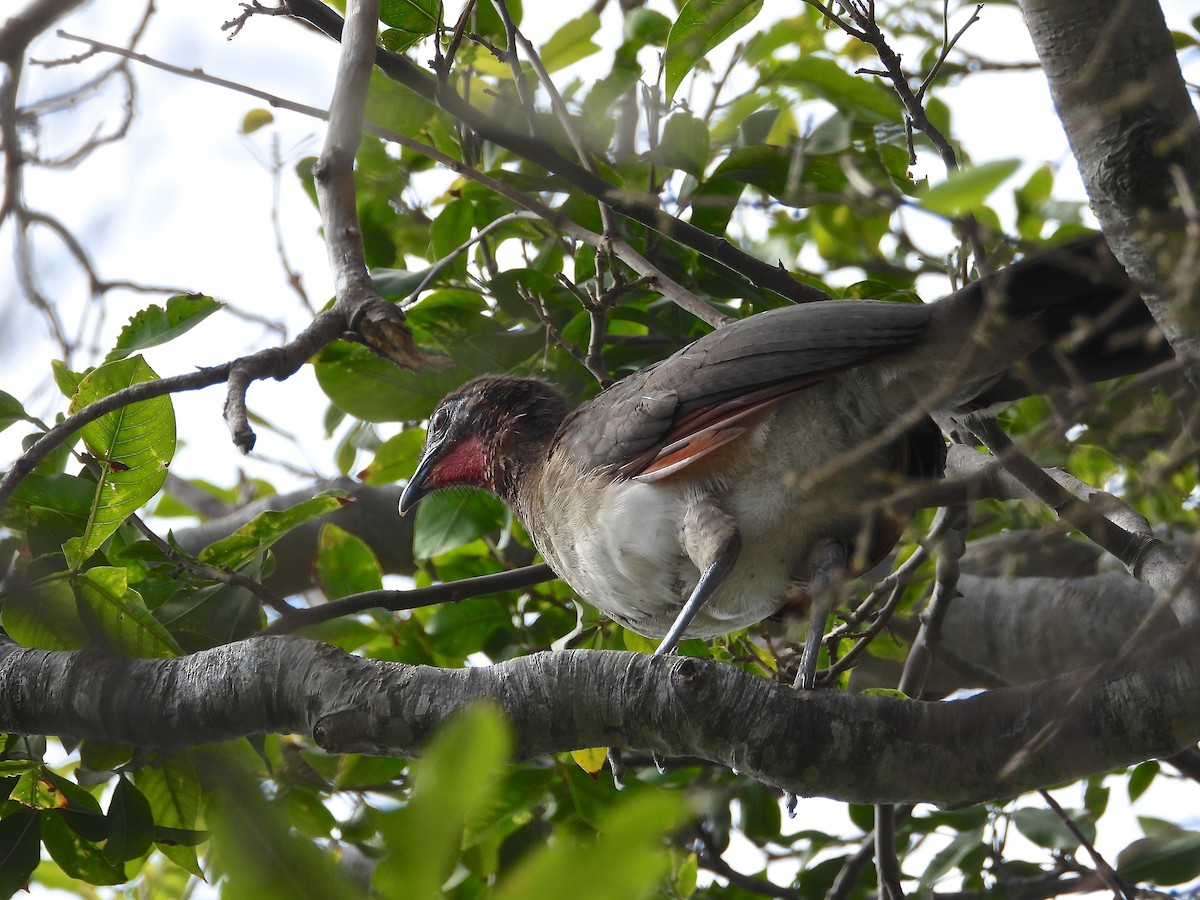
455,779
36,791
171,787
132,445
130,823
390,105
860,95
345,564
374,390
67,381
966,189
395,459
115,613
44,616
450,230
1141,778
628,861
77,856
701,26
396,282
258,852
950,856
11,410
257,535
155,325
410,21
1168,858
571,43
646,26
458,629
449,519
685,143
20,849
1046,829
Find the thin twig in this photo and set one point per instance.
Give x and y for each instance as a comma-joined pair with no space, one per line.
1114,881
449,592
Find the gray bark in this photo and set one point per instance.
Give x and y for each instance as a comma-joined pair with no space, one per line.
854,748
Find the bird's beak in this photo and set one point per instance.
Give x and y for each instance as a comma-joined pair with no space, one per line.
416,488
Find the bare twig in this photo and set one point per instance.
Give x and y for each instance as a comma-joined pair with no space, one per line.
920,656
449,592
1111,878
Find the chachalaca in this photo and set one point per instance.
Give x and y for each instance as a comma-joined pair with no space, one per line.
706,492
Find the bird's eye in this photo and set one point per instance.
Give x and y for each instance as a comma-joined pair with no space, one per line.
438,421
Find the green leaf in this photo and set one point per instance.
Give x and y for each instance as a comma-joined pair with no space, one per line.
44,616
966,189
396,282
252,122
131,823
77,856
116,614
701,26
395,459
257,535
67,381
172,789
345,564
571,43
20,849
963,843
450,230
646,26
459,629
411,21
1141,778
11,410
628,861
455,780
374,390
1046,828
685,143
259,853
155,325
859,95
449,519
133,446
1168,858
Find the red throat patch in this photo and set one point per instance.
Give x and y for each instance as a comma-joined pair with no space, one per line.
465,463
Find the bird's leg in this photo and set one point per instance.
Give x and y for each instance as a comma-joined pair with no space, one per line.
712,541
828,563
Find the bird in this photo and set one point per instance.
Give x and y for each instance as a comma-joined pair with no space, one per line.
740,475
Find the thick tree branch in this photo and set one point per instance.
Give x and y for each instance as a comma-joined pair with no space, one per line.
861,749
1117,87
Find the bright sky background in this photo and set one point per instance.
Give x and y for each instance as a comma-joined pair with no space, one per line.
184,201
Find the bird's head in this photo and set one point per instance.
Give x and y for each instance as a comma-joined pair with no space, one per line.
485,434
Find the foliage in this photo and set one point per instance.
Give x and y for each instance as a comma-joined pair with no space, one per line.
796,156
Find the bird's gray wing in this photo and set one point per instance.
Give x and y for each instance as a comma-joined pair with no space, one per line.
661,418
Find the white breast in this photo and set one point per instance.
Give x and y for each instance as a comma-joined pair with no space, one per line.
619,544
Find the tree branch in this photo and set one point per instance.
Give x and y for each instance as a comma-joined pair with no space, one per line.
1116,84
824,743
